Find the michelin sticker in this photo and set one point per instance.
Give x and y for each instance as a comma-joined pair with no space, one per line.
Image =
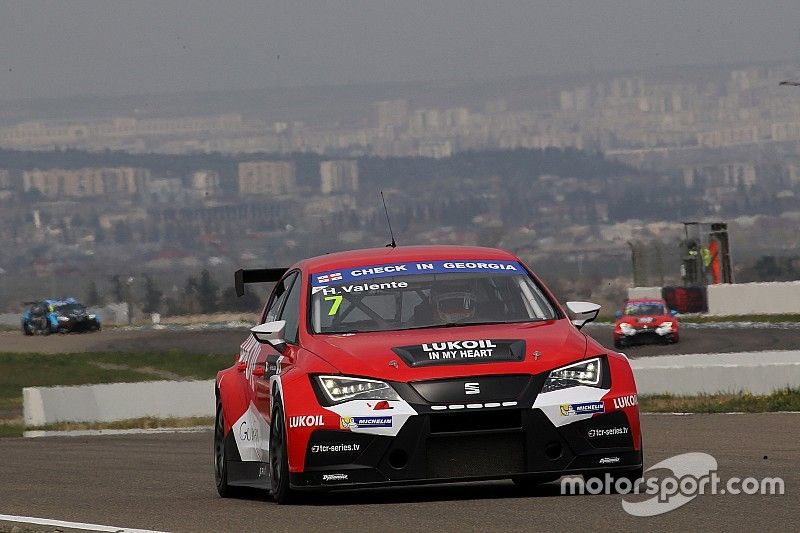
568,409
361,422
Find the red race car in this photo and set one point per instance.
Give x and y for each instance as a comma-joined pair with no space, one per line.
645,320
414,365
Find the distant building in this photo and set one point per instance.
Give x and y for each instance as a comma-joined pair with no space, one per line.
391,114
205,184
86,182
165,190
267,177
5,179
339,175
728,137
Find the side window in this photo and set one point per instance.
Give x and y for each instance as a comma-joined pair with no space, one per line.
279,295
291,313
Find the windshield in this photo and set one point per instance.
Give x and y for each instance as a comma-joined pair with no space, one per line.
422,295
70,308
641,309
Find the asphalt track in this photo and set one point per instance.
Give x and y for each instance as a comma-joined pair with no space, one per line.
694,339
165,482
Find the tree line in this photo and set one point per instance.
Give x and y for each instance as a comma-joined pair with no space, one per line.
200,294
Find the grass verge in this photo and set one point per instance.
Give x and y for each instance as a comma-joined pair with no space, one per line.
782,400
32,370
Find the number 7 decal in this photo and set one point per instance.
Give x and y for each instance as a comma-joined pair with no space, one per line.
337,301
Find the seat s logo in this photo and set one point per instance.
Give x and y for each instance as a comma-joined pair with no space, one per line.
472,387
309,421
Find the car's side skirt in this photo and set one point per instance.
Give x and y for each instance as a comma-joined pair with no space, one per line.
253,474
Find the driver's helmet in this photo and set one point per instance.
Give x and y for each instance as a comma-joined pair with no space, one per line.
453,301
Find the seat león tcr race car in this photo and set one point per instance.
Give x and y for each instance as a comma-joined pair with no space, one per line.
645,320
414,365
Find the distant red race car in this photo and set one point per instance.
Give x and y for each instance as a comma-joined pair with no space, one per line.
645,320
416,365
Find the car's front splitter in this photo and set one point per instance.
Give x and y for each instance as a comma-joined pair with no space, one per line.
469,446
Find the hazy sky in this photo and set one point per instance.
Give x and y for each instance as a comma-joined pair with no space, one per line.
112,47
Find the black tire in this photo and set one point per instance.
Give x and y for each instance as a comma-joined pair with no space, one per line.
26,330
220,464
278,458
618,344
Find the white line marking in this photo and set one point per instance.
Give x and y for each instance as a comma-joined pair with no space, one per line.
36,433
71,525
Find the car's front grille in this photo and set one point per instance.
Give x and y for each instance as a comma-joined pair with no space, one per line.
476,420
475,455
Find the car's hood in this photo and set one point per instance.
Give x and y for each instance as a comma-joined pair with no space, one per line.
404,355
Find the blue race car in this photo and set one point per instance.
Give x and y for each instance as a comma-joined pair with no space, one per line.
58,316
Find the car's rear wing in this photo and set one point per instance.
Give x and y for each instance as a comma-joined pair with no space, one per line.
256,275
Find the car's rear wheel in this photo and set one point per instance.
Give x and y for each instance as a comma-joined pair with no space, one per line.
278,458
220,463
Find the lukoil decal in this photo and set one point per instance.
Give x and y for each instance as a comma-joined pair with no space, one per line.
626,401
581,408
356,422
308,421
462,351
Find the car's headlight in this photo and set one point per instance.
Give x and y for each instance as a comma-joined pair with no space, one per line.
666,325
624,326
587,373
92,316
63,318
339,389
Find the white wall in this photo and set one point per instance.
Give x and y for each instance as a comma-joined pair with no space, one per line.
644,292
779,297
117,401
755,372
754,298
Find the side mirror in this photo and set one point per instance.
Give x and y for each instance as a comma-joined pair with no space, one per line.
618,315
673,312
591,310
270,333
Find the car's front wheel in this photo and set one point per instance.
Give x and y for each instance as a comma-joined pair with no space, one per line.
220,464
278,458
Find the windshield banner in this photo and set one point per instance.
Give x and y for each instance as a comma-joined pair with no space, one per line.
355,274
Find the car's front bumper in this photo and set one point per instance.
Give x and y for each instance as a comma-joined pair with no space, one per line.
78,324
510,429
470,445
